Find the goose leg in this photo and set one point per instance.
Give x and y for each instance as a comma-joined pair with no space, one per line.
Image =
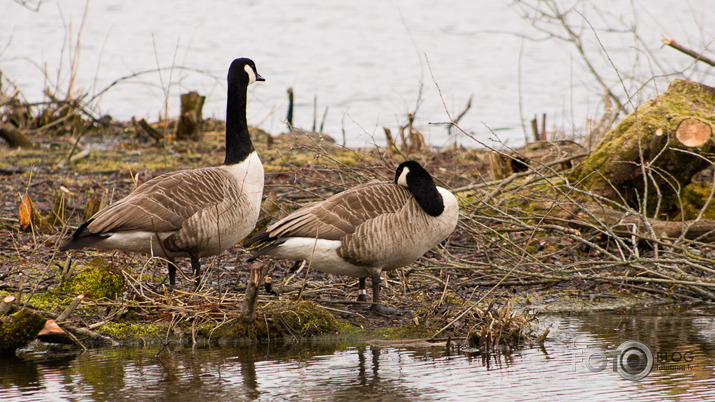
171,265
362,292
196,268
376,306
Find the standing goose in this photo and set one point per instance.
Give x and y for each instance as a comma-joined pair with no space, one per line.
374,227
189,213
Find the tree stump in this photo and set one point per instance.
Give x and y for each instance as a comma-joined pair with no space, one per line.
191,116
256,272
669,138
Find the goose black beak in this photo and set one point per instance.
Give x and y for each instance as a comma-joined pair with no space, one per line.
259,78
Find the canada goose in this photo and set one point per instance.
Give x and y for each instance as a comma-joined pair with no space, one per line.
189,213
374,227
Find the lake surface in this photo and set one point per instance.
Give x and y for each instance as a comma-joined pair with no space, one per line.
363,61
682,343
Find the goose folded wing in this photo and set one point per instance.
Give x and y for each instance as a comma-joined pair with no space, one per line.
163,203
342,213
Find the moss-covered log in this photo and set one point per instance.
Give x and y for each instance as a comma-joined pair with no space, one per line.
669,138
19,329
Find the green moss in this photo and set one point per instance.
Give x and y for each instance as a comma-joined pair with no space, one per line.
19,329
98,279
147,332
693,197
423,325
50,301
454,300
407,331
302,319
307,319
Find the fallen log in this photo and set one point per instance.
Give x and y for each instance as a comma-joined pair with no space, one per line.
147,128
14,137
591,215
654,152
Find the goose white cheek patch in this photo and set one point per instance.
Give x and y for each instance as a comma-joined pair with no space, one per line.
251,74
402,179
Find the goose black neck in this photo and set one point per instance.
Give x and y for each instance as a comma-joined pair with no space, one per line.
426,193
238,140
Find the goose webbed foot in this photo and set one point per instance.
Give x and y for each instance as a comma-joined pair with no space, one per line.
386,310
376,306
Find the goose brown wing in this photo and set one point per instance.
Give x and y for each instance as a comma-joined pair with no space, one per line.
342,213
163,203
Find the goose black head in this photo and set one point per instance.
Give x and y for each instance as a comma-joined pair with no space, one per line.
414,177
244,70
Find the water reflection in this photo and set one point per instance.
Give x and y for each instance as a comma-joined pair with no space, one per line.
681,343
330,371
19,373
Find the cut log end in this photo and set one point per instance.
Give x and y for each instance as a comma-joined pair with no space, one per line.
6,304
693,132
53,333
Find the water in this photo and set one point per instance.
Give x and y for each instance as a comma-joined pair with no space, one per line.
329,371
364,60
